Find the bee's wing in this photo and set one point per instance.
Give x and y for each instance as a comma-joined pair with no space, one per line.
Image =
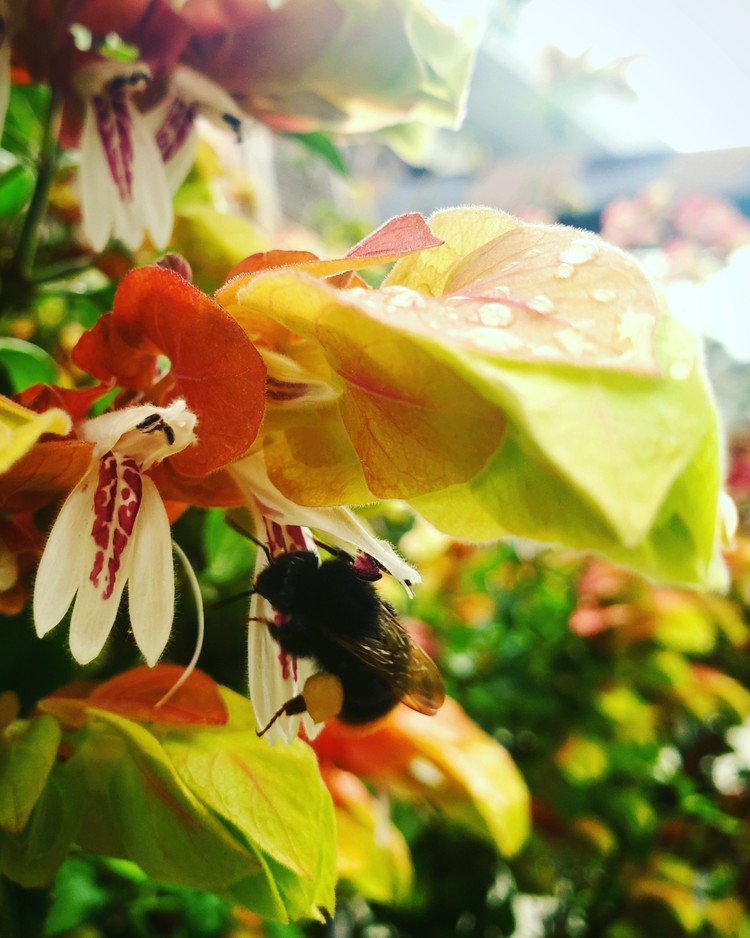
426,692
421,686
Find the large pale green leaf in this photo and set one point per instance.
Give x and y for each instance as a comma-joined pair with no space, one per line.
273,794
142,811
535,367
27,753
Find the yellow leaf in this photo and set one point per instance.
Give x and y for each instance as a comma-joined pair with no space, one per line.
20,428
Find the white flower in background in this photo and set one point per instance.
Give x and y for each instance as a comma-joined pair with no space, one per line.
112,529
124,190
274,676
173,122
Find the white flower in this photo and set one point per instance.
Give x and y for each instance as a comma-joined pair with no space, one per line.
112,529
173,121
274,676
124,190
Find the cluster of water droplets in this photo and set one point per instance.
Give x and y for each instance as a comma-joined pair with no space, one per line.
490,308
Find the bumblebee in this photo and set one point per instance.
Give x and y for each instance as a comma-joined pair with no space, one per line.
330,612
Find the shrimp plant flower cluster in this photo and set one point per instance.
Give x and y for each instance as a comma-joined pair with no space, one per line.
505,379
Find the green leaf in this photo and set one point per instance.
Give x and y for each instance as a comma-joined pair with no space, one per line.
25,363
228,554
16,186
140,810
32,857
321,145
273,794
78,896
23,122
27,754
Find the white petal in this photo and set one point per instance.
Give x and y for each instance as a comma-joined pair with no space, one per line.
342,526
98,193
152,198
269,689
67,553
118,430
305,669
181,163
151,583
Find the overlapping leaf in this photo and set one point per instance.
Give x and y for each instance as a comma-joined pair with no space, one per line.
534,367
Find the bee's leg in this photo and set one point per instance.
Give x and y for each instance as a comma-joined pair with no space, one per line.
324,696
295,705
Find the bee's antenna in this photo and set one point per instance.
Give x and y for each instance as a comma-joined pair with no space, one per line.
242,529
230,599
295,705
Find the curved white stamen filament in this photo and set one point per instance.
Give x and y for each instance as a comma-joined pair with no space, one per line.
201,621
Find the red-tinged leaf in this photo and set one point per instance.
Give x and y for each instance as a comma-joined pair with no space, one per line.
46,472
397,237
214,366
106,350
75,401
403,235
267,260
21,535
136,693
218,490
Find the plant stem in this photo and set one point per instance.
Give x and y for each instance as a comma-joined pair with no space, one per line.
22,263
22,911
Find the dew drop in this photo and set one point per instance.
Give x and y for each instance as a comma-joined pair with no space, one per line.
495,314
533,252
565,271
541,304
500,291
403,298
603,296
579,251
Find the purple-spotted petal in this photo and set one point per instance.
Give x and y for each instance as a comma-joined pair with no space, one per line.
116,501
124,191
276,677
151,582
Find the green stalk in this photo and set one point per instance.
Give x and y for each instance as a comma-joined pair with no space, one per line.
22,262
22,911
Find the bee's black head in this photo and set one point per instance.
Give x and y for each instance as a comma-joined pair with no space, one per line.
290,577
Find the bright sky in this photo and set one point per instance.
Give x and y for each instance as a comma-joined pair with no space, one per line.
693,80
